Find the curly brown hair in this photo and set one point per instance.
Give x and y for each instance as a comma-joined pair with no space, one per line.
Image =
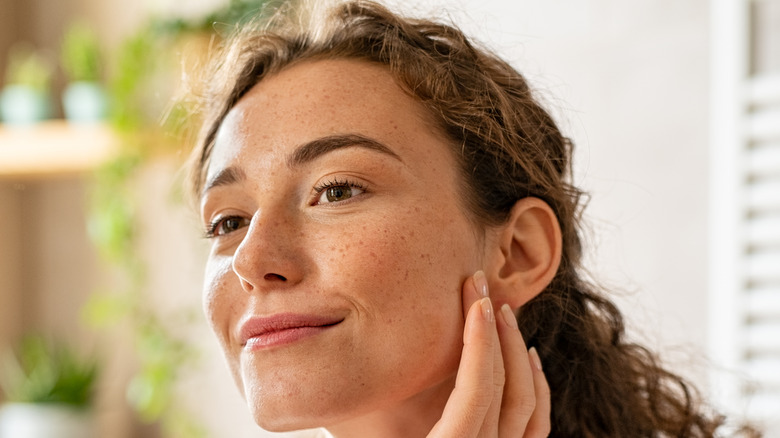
508,148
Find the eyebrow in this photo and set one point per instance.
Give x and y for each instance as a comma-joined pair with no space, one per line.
303,154
314,149
226,176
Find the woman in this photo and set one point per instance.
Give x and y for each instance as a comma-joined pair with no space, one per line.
391,217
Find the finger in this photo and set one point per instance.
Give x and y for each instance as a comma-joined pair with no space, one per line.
519,399
469,402
539,425
474,288
490,426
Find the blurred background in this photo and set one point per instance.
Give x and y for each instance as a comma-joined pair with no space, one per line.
673,106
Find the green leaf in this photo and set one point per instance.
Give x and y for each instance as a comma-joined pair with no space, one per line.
43,371
80,53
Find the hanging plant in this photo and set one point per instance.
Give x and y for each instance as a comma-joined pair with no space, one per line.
145,71
113,228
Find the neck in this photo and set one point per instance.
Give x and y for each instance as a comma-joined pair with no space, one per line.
413,417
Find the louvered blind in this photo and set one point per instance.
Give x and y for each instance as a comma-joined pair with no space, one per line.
745,210
760,229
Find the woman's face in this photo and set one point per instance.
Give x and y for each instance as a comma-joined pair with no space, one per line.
340,246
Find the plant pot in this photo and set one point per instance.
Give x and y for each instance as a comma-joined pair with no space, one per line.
22,105
84,102
38,420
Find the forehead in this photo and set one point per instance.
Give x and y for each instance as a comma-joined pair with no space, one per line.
316,99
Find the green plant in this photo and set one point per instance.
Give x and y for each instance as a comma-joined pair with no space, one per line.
27,67
80,53
233,13
42,371
143,74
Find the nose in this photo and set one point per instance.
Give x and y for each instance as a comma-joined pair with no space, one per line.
269,257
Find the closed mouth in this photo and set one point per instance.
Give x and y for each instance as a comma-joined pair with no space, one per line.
283,328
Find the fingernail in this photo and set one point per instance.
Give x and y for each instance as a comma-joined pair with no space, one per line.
509,317
480,283
487,309
535,358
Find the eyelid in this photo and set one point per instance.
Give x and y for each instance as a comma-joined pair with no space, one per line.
319,189
211,230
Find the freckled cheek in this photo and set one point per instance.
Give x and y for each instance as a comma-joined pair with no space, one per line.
362,253
222,306
219,304
392,263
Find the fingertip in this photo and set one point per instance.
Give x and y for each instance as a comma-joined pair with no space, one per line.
474,288
480,283
540,422
480,315
487,309
535,360
509,317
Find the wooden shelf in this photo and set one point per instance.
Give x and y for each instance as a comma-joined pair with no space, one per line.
53,148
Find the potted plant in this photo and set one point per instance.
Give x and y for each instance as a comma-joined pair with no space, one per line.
84,98
25,97
48,391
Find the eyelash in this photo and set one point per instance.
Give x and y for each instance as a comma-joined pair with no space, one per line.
211,228
318,190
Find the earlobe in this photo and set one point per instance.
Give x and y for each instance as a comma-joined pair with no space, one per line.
527,253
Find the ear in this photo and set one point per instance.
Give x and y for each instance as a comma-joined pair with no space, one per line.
526,254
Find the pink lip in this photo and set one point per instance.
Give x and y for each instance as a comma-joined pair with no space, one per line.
283,328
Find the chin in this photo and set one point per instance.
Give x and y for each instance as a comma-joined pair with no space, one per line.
274,420
290,409
280,425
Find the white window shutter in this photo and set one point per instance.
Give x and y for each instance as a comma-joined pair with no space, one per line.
745,209
761,246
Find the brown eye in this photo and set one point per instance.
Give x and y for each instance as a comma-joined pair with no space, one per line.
338,193
227,225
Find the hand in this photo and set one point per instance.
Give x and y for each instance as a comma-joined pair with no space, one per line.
500,390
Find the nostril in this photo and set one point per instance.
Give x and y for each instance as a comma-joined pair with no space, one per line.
271,277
